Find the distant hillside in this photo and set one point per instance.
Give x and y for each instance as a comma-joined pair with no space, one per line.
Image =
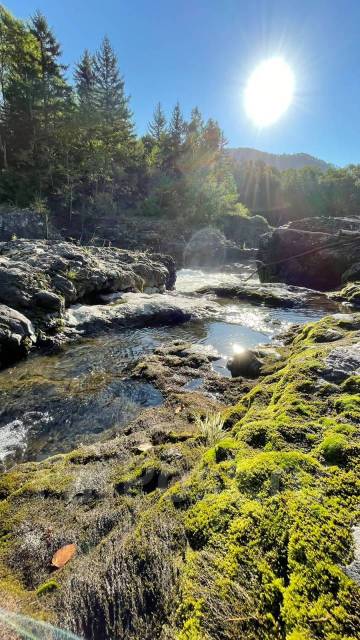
280,161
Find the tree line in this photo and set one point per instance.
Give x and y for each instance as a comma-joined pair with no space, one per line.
71,147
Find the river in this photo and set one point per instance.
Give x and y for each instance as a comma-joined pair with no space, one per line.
52,403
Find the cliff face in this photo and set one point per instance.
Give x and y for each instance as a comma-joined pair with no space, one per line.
190,529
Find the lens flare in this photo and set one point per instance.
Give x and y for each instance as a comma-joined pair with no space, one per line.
28,629
269,92
238,349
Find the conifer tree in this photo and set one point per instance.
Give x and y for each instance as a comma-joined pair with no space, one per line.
157,126
85,81
111,100
177,127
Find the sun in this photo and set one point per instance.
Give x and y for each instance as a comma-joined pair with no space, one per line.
269,91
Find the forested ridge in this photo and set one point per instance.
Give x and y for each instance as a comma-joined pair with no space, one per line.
69,146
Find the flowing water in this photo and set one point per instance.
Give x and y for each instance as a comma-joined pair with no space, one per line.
53,403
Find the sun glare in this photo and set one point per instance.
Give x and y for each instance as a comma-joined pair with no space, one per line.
269,91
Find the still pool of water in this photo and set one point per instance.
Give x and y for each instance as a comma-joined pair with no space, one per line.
53,403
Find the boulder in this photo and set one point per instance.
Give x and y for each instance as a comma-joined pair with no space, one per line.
16,335
245,364
314,259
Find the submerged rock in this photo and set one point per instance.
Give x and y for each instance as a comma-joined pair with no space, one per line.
16,335
310,255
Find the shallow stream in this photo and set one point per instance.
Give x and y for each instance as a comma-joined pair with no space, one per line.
53,403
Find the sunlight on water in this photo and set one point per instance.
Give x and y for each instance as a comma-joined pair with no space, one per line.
26,628
190,280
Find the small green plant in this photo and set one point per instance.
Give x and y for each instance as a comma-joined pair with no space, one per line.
14,237
71,274
211,427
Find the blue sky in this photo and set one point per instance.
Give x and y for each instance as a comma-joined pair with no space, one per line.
202,51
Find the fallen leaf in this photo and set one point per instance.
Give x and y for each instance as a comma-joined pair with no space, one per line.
177,410
63,555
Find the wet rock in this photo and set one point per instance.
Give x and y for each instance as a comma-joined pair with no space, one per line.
173,367
16,335
300,255
272,295
139,310
245,364
349,294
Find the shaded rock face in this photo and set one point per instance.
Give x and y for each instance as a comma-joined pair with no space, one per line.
41,278
25,223
188,245
209,247
16,335
313,259
245,231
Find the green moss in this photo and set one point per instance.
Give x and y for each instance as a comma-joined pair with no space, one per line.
262,519
333,448
47,587
348,405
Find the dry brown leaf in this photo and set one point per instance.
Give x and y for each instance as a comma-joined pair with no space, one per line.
177,410
63,555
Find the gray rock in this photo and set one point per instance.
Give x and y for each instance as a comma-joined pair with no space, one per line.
16,335
139,310
40,278
245,231
353,569
272,295
25,223
342,362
